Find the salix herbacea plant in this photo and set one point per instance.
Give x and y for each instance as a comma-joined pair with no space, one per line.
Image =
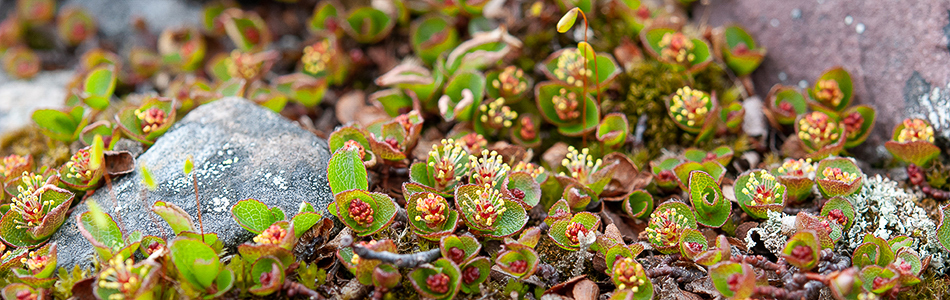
832,95
887,265
798,177
759,192
711,208
631,280
820,134
430,215
913,142
148,121
21,62
440,279
85,168
694,111
518,260
667,225
463,251
35,212
361,268
566,231
489,213
582,169
363,211
785,104
182,48
445,166
38,267
739,50
838,176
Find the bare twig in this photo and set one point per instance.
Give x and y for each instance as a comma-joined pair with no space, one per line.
194,177
411,260
294,288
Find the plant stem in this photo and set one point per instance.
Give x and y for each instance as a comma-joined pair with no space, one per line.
194,177
410,260
596,74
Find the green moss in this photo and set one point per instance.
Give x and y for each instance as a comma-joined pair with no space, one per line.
931,286
650,82
30,140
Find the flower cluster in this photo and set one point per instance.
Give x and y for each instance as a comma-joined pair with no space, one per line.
449,161
839,175
852,124
361,212
486,207
572,69
818,129
827,91
316,57
528,130
151,119
78,166
799,167
27,202
35,262
243,65
121,276
689,106
676,47
670,226
628,272
916,130
487,170
580,165
509,81
432,207
763,188
9,163
273,235
530,168
496,114
566,104
574,230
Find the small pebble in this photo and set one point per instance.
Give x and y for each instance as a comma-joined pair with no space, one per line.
796,13
782,76
859,28
848,20
803,84
774,22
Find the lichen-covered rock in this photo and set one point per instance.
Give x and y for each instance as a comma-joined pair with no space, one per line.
886,210
240,150
19,98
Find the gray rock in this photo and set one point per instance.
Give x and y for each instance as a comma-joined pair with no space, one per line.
240,151
19,98
896,52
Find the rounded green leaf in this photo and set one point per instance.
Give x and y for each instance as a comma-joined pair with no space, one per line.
177,218
712,209
345,171
196,262
785,104
384,210
441,266
98,86
613,130
639,204
253,215
843,78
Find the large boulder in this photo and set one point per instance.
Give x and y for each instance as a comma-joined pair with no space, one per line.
897,52
240,151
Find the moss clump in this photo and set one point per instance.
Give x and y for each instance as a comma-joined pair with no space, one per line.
932,286
650,82
30,140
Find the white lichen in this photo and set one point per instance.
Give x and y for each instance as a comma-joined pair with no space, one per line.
884,209
773,232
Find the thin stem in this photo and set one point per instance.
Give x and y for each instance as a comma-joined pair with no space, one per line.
194,177
596,74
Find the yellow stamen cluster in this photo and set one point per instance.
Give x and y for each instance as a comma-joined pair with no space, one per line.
356,257
449,161
828,92
78,166
273,235
571,68
123,277
669,226
432,207
676,47
243,65
27,202
566,104
580,165
9,162
35,262
762,187
473,142
485,207
530,168
317,57
496,114
151,119
839,175
689,106
509,81
818,128
797,167
916,130
628,272
487,170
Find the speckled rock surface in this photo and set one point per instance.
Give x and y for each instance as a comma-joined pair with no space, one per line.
897,52
240,151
